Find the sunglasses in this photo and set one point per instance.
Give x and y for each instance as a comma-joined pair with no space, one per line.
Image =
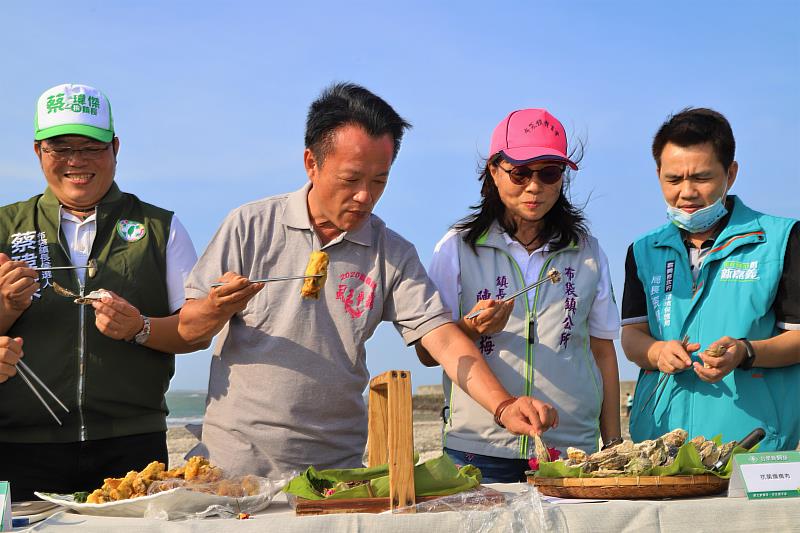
523,175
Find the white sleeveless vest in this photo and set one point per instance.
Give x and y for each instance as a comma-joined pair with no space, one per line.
542,352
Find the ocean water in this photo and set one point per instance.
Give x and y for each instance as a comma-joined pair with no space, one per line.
185,407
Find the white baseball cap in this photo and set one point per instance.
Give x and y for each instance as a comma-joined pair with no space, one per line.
73,109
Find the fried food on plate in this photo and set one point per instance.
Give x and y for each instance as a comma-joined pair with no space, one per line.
136,484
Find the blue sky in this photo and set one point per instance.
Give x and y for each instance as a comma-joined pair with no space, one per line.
210,100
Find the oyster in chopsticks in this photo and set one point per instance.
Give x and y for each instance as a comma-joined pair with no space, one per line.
86,299
554,275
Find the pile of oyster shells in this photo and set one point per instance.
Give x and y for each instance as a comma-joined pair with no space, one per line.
629,459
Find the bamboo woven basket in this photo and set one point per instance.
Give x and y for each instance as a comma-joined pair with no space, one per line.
629,488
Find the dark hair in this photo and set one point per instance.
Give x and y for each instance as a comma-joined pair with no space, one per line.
564,221
347,103
694,126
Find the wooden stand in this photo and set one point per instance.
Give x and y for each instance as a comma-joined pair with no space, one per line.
390,440
391,434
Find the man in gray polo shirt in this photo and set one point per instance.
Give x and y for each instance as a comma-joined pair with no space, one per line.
288,373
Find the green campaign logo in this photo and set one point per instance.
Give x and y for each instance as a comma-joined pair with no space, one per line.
130,230
79,104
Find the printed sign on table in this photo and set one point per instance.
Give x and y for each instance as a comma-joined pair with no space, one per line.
5,506
765,475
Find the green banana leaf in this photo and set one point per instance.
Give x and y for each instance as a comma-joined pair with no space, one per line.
435,477
687,462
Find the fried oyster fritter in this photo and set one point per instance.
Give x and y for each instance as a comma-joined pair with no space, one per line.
136,484
317,266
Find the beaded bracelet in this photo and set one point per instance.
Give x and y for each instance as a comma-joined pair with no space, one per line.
502,407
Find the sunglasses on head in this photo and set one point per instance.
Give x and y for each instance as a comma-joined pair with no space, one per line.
522,175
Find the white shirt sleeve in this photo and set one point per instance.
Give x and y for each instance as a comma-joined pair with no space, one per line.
445,272
181,257
604,321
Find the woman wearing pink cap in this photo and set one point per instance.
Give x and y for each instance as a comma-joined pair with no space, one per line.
554,342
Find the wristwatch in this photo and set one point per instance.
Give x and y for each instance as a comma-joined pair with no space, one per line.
750,356
144,333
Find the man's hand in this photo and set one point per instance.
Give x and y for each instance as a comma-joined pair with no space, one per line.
116,318
203,318
492,319
17,285
674,356
10,354
529,416
231,298
721,365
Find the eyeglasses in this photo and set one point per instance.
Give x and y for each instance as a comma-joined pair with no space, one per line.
65,153
522,175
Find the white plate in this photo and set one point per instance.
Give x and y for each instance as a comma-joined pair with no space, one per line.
175,503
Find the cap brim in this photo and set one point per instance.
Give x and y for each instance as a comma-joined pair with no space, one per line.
96,133
528,155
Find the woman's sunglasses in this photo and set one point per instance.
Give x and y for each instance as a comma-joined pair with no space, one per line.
523,175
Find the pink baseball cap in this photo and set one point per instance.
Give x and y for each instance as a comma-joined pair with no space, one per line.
529,135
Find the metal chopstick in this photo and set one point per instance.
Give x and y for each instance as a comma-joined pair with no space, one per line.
514,295
28,381
45,269
655,403
32,374
662,381
267,280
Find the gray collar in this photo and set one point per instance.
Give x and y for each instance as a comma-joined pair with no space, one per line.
295,215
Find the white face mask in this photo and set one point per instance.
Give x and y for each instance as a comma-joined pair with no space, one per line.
700,220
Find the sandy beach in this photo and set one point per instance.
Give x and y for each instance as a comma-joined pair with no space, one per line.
428,404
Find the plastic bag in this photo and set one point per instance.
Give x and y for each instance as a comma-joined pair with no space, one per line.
483,512
226,498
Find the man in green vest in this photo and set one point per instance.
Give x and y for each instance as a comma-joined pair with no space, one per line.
110,361
712,299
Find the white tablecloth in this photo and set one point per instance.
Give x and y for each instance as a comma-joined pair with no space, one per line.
523,513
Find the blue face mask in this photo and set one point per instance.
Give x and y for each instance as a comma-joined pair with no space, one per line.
700,220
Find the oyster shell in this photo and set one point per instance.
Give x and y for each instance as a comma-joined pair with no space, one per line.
624,447
638,466
709,453
727,448
540,450
675,438
658,456
698,441
602,455
576,454
646,447
615,462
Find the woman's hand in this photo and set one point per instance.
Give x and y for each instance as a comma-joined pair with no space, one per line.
492,319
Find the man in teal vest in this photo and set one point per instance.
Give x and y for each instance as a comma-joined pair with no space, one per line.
109,363
712,299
